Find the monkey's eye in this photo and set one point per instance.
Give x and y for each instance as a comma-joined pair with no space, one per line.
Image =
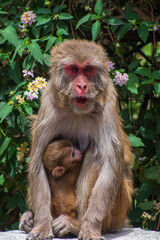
88,68
74,69
73,154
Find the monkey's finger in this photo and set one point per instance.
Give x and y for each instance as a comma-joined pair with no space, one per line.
91,238
32,236
27,228
28,224
31,222
57,223
63,232
57,229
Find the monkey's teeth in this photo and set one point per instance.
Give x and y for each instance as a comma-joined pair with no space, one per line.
81,100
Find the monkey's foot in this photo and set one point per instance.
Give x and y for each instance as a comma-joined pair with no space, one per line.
26,221
64,225
88,232
40,232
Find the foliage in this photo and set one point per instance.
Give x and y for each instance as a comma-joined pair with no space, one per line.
129,31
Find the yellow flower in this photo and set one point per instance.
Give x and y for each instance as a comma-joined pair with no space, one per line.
10,102
11,93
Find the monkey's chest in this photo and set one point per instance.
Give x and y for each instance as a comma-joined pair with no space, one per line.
77,133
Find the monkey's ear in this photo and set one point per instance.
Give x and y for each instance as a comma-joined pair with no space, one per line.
58,172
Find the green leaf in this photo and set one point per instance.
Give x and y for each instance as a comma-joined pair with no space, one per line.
58,41
28,109
113,21
83,20
145,72
28,62
2,39
156,74
143,32
59,8
14,72
96,27
157,88
3,12
44,11
19,49
46,58
135,141
65,16
147,205
133,83
35,50
148,81
158,129
134,64
158,147
129,14
59,32
10,34
43,20
94,17
123,30
153,173
4,111
4,144
2,179
64,26
145,191
50,42
98,7
36,32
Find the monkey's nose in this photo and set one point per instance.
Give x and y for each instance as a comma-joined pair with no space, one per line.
82,87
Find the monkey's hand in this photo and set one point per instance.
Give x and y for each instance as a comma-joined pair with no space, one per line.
41,231
64,225
26,221
89,231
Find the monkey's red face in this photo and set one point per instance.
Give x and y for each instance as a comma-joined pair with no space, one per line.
80,75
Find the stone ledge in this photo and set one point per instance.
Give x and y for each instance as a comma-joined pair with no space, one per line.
123,234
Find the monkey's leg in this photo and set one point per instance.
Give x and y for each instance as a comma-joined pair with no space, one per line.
40,232
116,219
42,214
26,221
64,225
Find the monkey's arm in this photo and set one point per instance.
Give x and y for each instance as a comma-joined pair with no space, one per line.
39,196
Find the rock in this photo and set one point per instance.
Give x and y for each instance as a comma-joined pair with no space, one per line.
123,234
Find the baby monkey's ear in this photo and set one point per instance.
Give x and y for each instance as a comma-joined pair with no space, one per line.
58,172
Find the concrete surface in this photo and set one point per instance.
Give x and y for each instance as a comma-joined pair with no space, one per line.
123,234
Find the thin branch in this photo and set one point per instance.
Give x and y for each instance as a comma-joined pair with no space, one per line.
113,41
9,5
70,19
29,3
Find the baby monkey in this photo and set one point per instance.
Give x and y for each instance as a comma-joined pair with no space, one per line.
63,163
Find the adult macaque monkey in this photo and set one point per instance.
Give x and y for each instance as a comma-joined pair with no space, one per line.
79,104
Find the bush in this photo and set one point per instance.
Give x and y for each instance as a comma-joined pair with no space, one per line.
129,32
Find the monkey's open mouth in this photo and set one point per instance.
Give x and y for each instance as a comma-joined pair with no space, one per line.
81,101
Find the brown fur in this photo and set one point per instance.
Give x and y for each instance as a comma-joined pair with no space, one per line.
104,187
58,155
